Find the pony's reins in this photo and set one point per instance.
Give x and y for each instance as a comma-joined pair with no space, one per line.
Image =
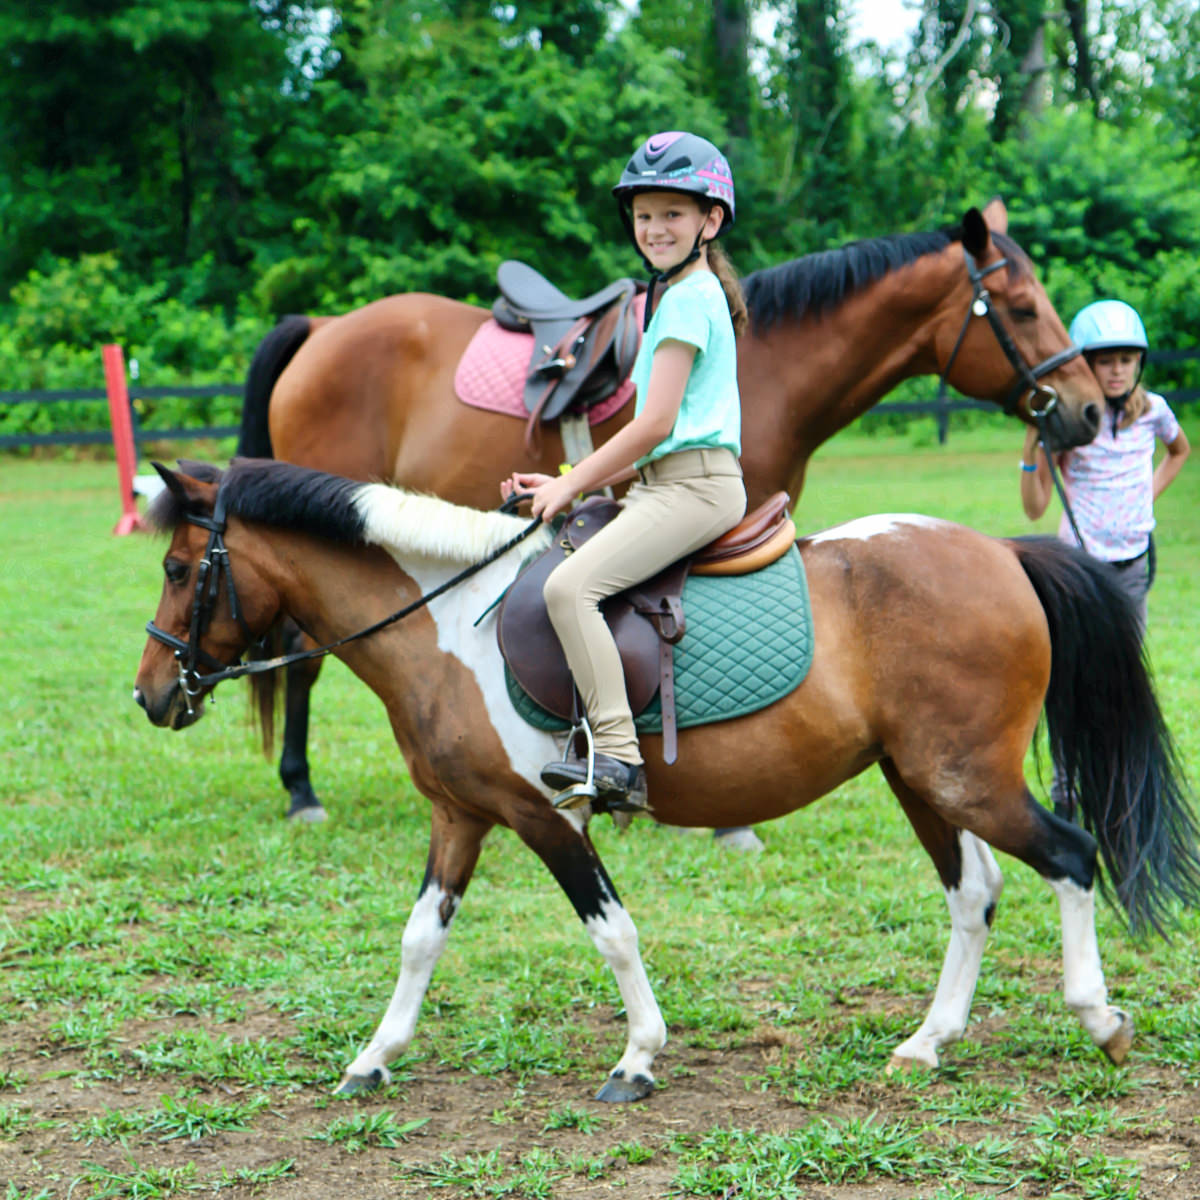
1027,377
208,585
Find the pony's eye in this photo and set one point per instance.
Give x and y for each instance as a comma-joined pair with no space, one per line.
176,572
1022,314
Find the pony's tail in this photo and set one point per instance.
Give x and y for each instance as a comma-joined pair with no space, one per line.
274,353
1108,737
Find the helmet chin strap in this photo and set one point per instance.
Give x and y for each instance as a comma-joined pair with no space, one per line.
657,277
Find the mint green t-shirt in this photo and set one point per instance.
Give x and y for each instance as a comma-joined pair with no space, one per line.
694,310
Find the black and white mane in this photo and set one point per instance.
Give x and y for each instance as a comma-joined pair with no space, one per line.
347,511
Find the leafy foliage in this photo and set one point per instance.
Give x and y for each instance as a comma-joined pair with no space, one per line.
176,175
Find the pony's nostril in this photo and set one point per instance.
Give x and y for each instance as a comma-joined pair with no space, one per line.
1091,414
139,697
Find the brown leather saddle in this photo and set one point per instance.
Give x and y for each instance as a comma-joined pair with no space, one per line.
583,350
646,620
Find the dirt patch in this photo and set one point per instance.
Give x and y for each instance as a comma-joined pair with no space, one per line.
627,1149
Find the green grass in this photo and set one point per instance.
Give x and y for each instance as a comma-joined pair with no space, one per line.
167,938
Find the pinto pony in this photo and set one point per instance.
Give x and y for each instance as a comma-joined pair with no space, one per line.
935,650
370,394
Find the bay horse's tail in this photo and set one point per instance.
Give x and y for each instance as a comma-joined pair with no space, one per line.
1108,736
274,353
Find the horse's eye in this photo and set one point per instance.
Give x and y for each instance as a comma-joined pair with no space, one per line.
176,572
1022,314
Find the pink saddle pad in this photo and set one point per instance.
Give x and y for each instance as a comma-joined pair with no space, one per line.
491,373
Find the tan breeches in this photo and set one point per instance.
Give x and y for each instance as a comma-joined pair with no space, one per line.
685,501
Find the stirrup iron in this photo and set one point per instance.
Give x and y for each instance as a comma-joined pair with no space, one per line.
579,794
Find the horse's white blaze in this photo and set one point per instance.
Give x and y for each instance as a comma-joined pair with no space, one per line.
614,934
1083,978
877,525
425,937
977,891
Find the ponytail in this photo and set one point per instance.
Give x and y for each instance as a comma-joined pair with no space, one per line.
722,268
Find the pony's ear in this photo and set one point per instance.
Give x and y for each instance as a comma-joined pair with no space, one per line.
975,233
184,488
173,482
996,215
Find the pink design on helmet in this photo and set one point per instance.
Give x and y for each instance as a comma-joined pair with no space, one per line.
659,143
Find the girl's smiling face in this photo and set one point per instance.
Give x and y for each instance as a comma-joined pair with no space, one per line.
666,224
1116,370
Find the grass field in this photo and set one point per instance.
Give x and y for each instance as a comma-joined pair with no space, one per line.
183,975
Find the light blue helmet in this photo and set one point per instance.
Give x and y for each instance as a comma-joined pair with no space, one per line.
1108,325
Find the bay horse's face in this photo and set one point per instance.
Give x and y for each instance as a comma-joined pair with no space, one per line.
161,687
1068,394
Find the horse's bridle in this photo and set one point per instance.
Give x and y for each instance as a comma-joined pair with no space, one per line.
216,564
1028,377
212,567
1027,384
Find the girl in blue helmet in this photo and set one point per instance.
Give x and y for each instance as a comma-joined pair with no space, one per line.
1112,482
675,197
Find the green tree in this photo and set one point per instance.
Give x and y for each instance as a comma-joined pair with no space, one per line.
149,127
474,145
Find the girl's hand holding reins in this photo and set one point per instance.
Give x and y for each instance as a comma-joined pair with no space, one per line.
549,494
520,481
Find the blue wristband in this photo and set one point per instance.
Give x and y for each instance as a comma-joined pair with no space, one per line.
1028,466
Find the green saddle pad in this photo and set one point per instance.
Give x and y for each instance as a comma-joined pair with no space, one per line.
748,643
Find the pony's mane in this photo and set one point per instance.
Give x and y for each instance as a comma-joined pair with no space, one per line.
346,511
820,282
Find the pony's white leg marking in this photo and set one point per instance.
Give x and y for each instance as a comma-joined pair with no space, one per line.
614,934
1083,977
971,905
425,938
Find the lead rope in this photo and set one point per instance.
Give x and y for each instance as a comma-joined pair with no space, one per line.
1058,487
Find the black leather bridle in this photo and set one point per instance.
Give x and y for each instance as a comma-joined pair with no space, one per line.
215,565
1027,383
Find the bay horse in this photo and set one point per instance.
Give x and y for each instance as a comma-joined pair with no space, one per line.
935,649
370,394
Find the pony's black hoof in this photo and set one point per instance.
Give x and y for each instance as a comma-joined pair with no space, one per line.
355,1085
619,1090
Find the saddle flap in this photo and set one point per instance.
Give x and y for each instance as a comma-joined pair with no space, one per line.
534,654
577,363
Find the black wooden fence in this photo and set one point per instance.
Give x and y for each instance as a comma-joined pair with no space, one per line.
940,412
101,436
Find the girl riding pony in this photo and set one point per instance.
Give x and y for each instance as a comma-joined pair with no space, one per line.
682,447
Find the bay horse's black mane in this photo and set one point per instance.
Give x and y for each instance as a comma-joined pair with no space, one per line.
275,493
819,282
